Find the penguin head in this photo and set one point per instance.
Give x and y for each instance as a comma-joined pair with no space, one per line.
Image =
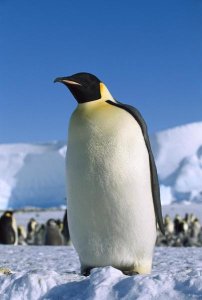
51,223
31,226
59,224
7,217
85,87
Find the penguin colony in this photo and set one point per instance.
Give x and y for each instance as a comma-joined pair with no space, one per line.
113,190
179,232
54,232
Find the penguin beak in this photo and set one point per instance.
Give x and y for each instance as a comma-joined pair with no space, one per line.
58,79
66,80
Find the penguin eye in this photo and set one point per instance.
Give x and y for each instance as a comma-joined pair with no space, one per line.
84,83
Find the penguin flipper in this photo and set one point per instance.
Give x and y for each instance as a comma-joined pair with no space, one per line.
154,176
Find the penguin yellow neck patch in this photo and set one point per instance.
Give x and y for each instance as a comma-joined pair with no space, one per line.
104,92
8,214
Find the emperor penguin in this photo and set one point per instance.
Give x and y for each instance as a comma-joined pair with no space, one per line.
8,229
112,184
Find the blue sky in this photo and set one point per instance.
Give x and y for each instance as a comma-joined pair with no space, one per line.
148,53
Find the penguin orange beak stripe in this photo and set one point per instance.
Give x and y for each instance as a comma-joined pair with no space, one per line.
63,80
71,82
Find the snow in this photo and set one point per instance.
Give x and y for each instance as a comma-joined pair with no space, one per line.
178,156
171,146
34,174
53,273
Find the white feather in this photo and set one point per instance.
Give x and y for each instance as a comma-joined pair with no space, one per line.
110,206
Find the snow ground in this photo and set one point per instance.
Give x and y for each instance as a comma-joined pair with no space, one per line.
48,272
53,273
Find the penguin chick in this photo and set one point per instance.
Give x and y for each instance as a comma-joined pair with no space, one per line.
22,235
39,236
31,230
195,228
53,235
113,190
8,229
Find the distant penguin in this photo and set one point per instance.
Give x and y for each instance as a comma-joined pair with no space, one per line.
65,230
195,228
8,229
53,235
113,189
22,235
169,225
177,224
185,226
192,237
39,236
189,219
31,230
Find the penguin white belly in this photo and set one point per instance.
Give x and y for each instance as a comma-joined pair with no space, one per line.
110,205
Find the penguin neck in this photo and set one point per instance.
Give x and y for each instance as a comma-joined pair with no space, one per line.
105,95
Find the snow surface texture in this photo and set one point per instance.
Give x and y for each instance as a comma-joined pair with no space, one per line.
34,174
53,273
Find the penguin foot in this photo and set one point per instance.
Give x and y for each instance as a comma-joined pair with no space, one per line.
85,271
130,273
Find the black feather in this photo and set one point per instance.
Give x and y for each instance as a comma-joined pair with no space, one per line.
154,177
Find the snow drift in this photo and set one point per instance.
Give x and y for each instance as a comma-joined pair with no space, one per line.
178,155
34,174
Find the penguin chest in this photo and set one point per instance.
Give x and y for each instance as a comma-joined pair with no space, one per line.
108,182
